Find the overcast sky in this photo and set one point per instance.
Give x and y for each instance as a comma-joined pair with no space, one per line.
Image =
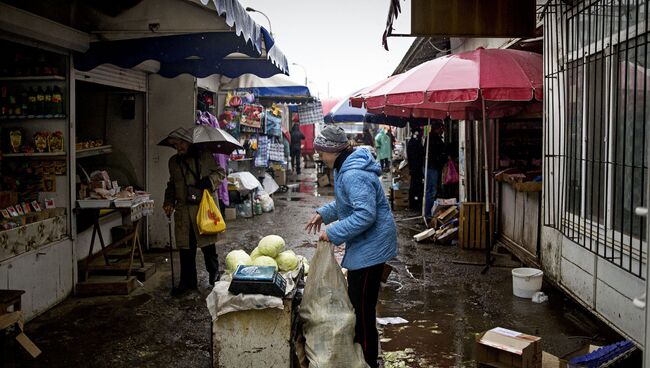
336,41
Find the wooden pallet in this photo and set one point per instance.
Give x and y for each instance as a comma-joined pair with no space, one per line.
472,232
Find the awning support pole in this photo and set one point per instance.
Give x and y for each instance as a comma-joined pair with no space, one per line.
486,220
426,171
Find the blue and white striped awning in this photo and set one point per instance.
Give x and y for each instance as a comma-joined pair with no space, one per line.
248,48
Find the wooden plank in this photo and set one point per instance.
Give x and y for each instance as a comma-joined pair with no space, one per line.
520,215
106,285
531,222
122,268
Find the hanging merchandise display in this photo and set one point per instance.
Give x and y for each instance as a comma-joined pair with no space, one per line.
262,153
273,122
310,113
252,116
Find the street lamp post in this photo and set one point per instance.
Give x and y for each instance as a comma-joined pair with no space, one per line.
304,71
251,10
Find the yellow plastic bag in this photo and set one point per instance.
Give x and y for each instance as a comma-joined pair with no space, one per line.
209,219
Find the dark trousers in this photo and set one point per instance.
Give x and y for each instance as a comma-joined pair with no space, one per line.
385,164
188,262
416,189
363,290
295,160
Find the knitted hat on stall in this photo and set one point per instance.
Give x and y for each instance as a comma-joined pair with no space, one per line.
331,139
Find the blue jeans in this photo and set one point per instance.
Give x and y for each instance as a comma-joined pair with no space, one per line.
433,177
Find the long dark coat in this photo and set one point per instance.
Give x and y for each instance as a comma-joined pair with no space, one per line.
176,195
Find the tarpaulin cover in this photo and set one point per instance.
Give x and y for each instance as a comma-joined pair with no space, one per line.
278,85
198,54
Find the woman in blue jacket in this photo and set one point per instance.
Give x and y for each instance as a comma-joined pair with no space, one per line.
365,224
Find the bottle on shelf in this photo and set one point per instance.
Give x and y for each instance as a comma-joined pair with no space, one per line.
14,99
24,102
4,101
48,101
40,101
31,101
57,101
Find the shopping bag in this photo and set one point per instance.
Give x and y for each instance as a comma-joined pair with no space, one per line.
452,173
209,219
276,152
328,316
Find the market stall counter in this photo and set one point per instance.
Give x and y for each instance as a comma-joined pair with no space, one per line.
254,330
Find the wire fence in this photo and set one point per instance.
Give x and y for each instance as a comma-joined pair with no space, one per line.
595,126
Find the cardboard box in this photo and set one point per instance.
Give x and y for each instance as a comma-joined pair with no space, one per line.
551,361
280,176
503,348
230,214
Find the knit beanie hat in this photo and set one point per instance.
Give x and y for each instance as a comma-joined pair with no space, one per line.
331,139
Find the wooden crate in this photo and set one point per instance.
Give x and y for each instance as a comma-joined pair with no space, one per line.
472,232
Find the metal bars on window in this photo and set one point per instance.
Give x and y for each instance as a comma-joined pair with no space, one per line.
597,75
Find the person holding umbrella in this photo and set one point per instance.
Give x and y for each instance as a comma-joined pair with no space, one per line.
364,222
191,170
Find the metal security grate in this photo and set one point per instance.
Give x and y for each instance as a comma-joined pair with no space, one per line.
597,112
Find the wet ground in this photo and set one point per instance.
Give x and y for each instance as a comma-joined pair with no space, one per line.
444,298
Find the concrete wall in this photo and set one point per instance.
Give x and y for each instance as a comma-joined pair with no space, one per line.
171,105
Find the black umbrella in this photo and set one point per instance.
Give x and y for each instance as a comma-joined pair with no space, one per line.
206,138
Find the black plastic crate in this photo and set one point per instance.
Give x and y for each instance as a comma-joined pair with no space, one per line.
263,280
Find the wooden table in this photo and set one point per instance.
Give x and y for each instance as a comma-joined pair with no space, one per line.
132,240
10,298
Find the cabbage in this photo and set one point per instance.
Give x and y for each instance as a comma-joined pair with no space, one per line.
287,261
255,253
265,261
236,258
271,246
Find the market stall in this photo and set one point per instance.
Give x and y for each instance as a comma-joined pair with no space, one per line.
34,164
254,307
519,179
259,112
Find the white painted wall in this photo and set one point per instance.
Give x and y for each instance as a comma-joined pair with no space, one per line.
171,105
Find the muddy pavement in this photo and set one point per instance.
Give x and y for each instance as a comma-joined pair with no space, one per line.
446,303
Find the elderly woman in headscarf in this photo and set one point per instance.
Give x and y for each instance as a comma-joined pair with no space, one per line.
361,218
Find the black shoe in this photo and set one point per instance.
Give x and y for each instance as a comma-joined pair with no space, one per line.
181,290
214,277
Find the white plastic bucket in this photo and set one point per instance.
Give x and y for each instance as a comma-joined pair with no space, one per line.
526,282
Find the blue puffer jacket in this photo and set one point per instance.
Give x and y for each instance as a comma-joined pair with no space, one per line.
365,222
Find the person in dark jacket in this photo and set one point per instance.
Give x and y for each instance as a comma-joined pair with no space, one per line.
437,158
361,218
415,157
190,172
296,145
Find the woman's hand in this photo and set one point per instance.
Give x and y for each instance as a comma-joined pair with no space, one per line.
314,224
323,236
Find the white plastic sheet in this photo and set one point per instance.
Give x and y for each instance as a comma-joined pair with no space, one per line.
247,180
